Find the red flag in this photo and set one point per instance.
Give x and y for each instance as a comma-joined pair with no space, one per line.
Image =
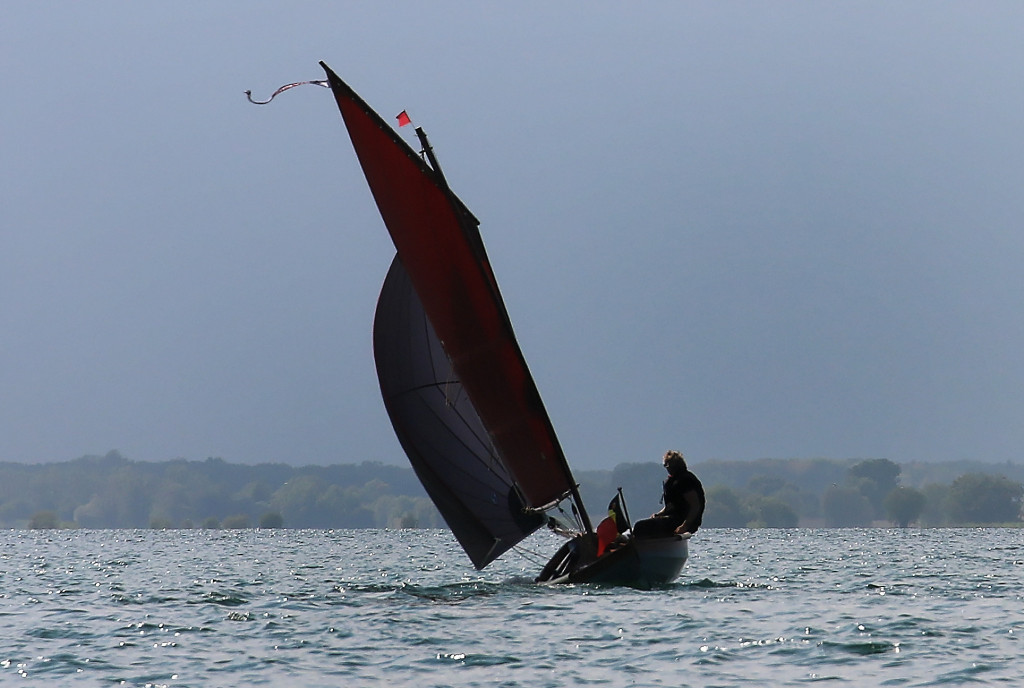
403,118
610,527
606,533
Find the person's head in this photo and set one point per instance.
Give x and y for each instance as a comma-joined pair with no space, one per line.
674,462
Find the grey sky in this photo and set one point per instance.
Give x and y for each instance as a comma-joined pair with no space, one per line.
737,229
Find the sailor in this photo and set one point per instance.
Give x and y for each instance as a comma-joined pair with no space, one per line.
683,496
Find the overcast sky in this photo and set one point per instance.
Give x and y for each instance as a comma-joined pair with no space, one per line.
741,230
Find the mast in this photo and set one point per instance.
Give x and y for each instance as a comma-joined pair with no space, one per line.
428,150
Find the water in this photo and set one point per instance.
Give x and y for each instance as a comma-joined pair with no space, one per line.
351,608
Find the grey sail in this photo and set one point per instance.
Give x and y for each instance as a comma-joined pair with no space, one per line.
440,430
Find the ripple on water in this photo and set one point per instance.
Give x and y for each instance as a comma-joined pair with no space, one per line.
212,608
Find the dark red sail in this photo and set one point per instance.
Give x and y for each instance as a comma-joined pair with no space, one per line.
441,250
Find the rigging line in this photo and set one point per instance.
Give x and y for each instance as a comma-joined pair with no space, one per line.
316,82
529,555
575,514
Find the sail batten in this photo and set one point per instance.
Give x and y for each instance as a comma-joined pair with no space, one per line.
441,252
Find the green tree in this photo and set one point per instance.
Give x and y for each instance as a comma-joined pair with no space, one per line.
980,498
14,511
936,505
271,519
44,520
801,503
725,509
771,512
237,521
123,501
641,483
255,491
845,507
308,502
874,478
766,485
904,505
302,501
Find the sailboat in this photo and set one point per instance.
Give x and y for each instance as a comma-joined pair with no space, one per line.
456,385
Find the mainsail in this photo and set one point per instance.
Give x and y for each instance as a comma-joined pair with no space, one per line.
442,257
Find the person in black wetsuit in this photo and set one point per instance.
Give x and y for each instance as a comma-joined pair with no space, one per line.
683,496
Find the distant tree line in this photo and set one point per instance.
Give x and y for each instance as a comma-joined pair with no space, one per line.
112,491
787,493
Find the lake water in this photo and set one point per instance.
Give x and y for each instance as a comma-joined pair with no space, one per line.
351,608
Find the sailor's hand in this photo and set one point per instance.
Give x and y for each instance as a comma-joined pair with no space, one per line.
682,530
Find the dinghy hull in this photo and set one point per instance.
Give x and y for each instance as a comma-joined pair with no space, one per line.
645,562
